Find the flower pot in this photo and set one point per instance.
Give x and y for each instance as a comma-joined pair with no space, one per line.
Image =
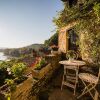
71,59
38,74
54,52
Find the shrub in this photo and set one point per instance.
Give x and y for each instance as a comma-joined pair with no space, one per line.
3,72
41,64
11,84
18,69
12,88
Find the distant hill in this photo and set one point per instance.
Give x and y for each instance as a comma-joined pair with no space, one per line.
16,52
2,49
35,46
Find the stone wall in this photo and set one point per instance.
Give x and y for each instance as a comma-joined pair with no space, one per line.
53,61
63,37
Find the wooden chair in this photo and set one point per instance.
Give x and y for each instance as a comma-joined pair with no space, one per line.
90,82
70,79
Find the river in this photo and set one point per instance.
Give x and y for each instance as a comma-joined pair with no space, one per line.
2,56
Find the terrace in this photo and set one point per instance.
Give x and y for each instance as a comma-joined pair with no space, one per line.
45,84
49,80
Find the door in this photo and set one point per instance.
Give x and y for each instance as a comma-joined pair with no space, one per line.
72,41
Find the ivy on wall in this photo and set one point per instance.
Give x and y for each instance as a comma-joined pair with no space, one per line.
88,17
89,28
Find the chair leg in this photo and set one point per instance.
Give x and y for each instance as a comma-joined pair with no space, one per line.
82,93
86,90
89,90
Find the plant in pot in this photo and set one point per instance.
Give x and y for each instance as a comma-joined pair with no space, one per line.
40,64
71,55
39,70
54,49
12,87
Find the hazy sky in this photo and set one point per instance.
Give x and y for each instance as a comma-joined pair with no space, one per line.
24,22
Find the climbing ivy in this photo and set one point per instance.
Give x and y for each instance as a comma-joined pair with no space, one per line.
97,10
88,27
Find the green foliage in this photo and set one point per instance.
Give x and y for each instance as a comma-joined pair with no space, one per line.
53,40
11,84
88,27
11,88
3,71
97,10
4,65
71,54
41,64
69,14
3,75
18,69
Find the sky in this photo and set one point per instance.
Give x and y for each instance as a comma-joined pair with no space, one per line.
25,22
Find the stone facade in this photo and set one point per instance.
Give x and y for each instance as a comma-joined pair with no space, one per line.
46,73
63,37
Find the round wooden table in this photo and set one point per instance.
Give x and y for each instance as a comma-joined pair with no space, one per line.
71,65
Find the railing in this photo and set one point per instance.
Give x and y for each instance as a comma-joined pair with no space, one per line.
5,86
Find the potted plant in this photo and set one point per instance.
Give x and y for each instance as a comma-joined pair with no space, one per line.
40,69
40,64
12,87
71,55
54,49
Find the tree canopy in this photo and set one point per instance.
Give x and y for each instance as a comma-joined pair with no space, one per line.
87,14
53,40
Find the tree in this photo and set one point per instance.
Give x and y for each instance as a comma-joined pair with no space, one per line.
53,40
3,71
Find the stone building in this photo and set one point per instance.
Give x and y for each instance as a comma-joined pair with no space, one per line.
67,38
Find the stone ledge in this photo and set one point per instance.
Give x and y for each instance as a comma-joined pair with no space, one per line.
38,74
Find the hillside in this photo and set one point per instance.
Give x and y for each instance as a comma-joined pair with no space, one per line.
17,52
35,46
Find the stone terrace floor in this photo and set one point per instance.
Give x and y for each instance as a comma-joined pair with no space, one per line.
55,92
50,92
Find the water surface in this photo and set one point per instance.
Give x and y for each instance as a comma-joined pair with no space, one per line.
2,56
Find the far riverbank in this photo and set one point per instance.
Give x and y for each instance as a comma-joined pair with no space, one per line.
3,57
